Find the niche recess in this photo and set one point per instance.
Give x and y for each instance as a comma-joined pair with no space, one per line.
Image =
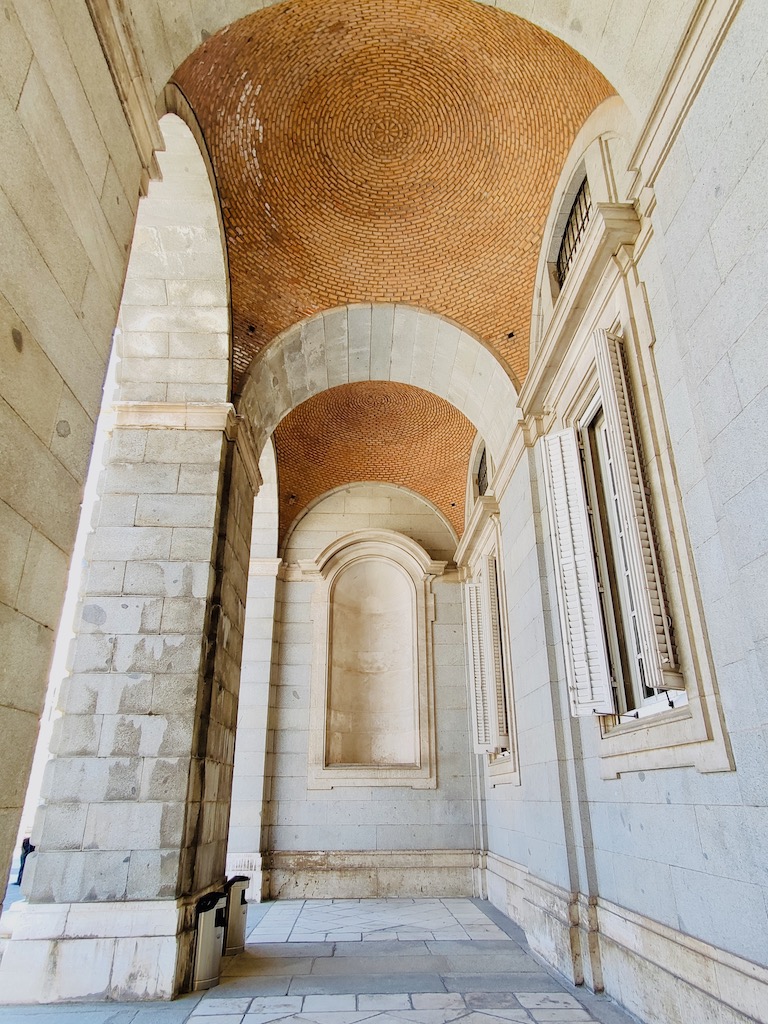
372,706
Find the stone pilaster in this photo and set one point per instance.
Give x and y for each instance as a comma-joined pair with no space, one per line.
134,821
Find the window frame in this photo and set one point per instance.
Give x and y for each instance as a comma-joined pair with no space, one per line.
479,550
692,732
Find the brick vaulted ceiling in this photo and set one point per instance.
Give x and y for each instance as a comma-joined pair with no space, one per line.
386,150
374,430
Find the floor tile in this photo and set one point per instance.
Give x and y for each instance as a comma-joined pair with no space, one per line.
211,1004
338,1002
384,1001
383,961
549,1001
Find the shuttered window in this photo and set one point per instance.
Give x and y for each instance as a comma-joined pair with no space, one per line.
476,663
617,632
500,718
485,658
586,659
640,565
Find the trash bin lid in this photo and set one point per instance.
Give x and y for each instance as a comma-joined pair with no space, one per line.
237,878
208,902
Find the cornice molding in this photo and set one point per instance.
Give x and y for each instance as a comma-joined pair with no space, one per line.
176,416
240,431
125,61
611,227
700,44
485,509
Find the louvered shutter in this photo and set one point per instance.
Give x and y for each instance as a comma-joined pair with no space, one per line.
644,576
586,660
478,683
499,717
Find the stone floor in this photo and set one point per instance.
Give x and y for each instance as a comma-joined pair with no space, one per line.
395,961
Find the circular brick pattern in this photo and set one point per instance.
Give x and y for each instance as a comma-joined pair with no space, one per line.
374,431
386,150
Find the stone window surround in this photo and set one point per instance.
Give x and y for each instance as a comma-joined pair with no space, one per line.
605,288
692,734
323,570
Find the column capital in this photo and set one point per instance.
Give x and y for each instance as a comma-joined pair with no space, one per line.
175,416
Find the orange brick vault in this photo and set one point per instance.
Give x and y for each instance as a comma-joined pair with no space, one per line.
374,431
391,150
384,150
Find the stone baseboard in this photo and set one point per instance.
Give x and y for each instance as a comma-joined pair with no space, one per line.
87,951
666,977
363,874
656,972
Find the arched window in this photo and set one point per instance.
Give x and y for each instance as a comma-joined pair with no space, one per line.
575,226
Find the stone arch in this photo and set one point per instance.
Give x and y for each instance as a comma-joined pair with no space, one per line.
433,530
174,317
162,601
629,59
381,341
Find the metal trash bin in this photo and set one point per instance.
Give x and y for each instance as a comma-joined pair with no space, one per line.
211,912
237,911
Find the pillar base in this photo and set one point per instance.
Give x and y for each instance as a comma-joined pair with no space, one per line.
93,951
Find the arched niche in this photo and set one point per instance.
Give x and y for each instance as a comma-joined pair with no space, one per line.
381,341
385,506
372,701
371,711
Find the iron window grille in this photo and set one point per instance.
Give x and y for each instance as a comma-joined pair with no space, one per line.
575,227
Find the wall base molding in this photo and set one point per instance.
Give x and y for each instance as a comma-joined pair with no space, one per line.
75,952
365,874
656,972
667,977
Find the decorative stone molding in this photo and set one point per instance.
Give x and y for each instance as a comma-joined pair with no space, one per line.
407,755
177,416
114,28
361,874
242,433
194,416
688,977
701,42
485,511
611,226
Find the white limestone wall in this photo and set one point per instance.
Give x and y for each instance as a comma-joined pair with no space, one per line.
363,506
676,856
532,835
363,833
70,186
685,848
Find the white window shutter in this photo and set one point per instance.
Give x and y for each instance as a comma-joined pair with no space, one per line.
586,660
644,569
478,683
499,717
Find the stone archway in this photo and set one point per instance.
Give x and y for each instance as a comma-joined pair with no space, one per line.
381,341
134,823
